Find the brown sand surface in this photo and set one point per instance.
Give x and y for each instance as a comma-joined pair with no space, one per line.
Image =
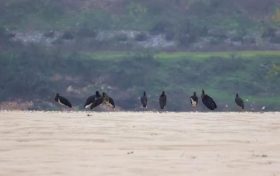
136,143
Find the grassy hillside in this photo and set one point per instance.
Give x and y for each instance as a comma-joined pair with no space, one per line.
191,24
37,74
136,14
76,47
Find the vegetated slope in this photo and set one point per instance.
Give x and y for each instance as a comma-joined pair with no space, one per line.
55,46
37,74
30,13
191,24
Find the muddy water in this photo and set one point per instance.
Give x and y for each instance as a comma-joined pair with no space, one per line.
124,143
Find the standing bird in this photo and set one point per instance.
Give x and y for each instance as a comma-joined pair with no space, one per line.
208,101
144,100
108,100
62,100
239,101
162,100
194,100
91,100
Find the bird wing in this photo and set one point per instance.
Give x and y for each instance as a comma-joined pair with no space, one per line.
96,102
209,102
162,101
212,103
242,103
144,101
111,101
89,101
66,102
239,102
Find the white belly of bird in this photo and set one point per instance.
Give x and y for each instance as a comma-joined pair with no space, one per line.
108,104
88,106
194,103
60,102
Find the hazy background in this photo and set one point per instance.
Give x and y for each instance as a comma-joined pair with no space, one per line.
123,47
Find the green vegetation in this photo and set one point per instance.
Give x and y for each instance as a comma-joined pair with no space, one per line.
185,21
222,46
126,74
223,54
180,55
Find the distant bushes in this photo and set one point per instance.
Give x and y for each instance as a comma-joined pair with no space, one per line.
141,37
36,73
86,33
67,35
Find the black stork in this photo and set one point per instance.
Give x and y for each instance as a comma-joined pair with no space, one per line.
62,100
144,100
92,99
162,100
208,101
194,100
239,101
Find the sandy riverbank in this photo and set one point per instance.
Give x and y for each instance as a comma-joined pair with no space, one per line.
126,143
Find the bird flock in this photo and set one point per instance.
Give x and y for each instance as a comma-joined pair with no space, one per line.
98,99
